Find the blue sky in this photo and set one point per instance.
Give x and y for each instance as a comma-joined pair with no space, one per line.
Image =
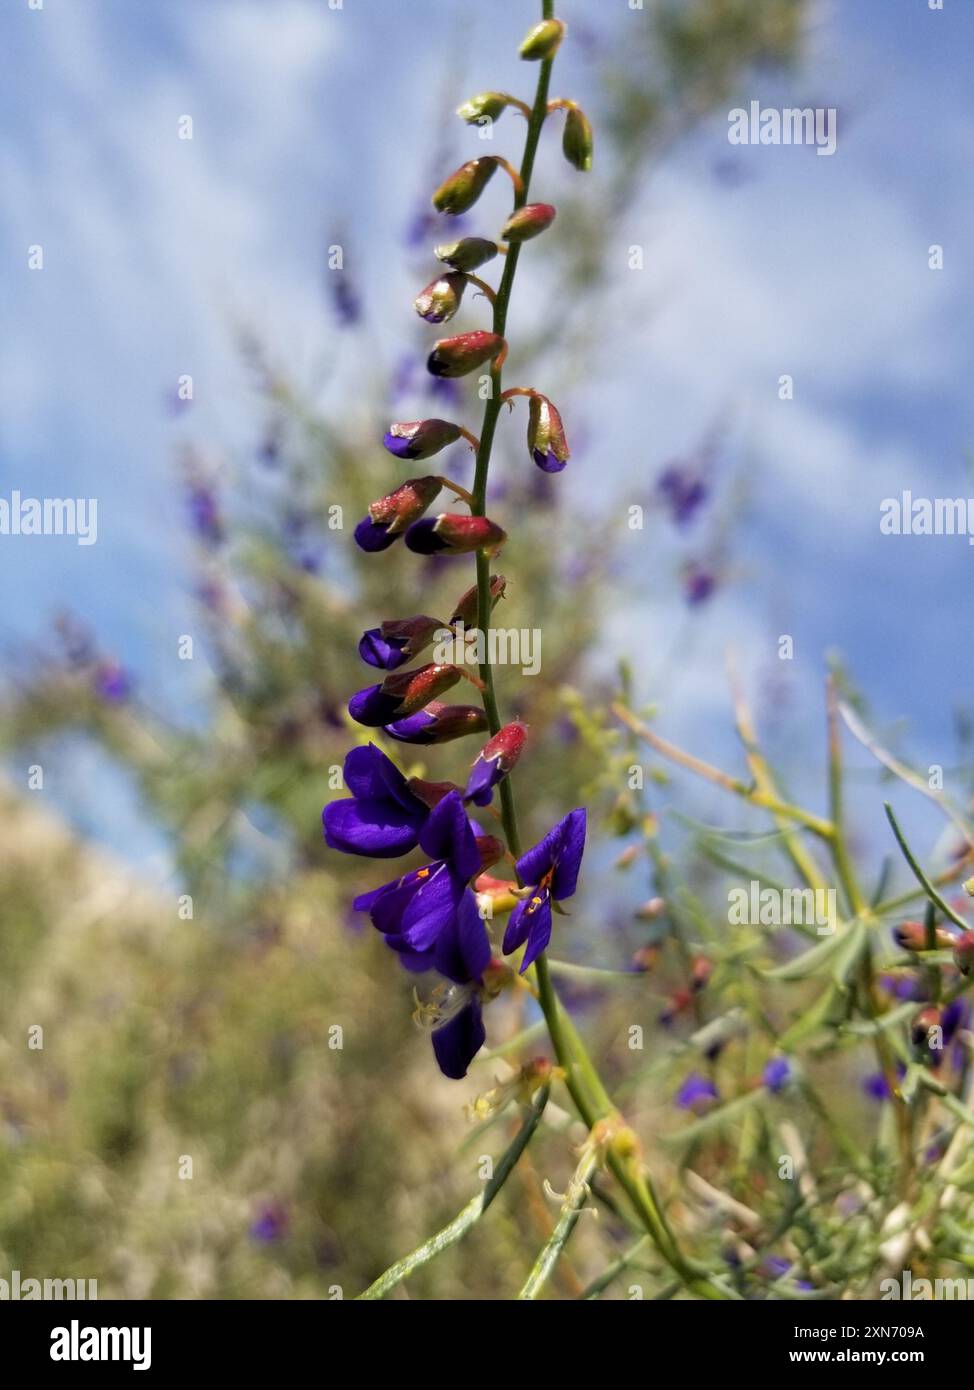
308,119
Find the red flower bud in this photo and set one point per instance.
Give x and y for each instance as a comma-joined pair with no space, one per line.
465,185
491,850
438,723
464,353
397,509
912,936
455,534
964,952
413,690
467,610
528,222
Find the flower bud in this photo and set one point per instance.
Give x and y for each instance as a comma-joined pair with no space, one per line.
912,936
964,952
457,535
494,761
495,895
527,222
922,1023
546,436
576,140
700,973
396,642
390,515
467,610
542,41
465,185
469,253
438,723
491,850
441,298
485,105
420,439
401,694
464,353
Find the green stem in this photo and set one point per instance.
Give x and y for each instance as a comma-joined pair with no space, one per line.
582,1079
575,1198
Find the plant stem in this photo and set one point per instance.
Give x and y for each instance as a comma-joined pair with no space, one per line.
582,1079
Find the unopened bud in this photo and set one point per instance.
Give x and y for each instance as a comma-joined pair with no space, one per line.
527,222
465,185
576,140
487,105
964,952
420,439
438,723
468,253
457,535
494,761
389,517
396,642
542,41
546,436
401,694
441,298
491,851
467,610
912,936
465,353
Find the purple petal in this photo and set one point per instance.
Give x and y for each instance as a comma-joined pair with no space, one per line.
518,926
569,857
372,707
457,1042
448,835
412,729
484,776
432,908
423,539
539,932
396,444
380,651
547,461
372,537
462,952
378,828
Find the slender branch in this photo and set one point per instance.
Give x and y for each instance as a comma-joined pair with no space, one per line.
575,1199
470,1214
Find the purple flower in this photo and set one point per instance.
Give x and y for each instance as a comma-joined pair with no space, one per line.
696,1091
204,513
438,723
112,682
494,761
414,911
401,694
549,870
698,584
394,643
777,1074
383,817
684,491
270,1223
